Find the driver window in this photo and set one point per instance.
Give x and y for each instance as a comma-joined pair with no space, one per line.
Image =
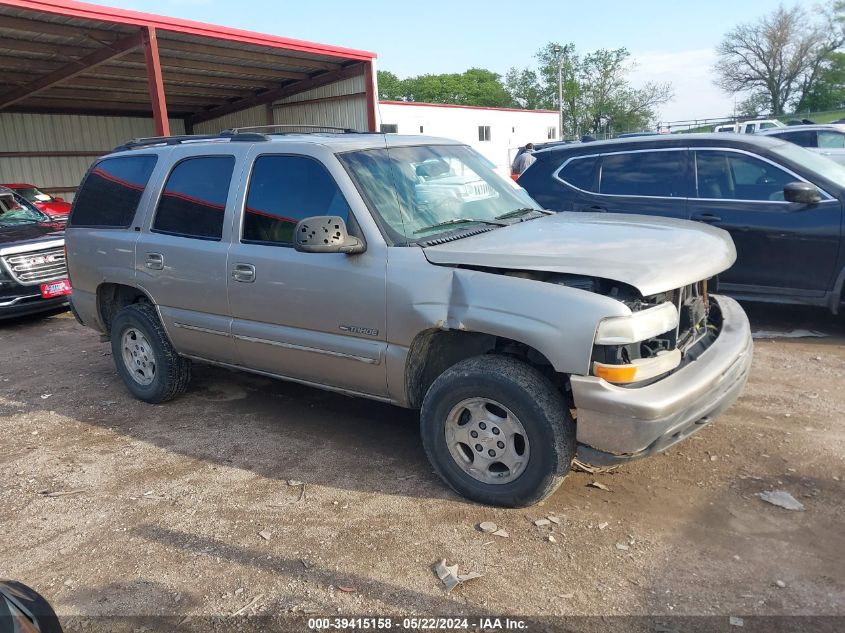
731,176
284,190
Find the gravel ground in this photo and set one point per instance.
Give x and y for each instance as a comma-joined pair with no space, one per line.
110,506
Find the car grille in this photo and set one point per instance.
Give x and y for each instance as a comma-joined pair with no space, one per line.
36,267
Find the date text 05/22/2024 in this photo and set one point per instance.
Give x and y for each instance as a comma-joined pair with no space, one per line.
416,624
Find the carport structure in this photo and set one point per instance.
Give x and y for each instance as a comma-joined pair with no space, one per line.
78,79
69,57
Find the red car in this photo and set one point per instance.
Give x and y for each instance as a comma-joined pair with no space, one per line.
56,208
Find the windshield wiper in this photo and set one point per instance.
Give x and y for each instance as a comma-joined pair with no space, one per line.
459,221
516,213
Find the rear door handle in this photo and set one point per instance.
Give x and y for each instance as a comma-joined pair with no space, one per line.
154,261
706,217
245,273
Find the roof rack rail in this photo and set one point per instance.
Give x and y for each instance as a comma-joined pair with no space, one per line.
238,130
154,141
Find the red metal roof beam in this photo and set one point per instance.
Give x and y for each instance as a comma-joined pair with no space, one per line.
69,71
155,82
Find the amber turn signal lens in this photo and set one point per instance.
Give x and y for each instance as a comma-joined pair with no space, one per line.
615,373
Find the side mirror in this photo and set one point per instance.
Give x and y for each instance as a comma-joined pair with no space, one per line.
802,192
325,234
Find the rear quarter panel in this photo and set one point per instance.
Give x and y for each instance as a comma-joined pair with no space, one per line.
106,255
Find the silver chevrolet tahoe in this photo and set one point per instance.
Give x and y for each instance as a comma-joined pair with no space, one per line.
404,269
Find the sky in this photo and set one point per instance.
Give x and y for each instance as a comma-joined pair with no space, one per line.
668,40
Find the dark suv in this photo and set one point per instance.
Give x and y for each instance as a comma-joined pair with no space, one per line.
781,203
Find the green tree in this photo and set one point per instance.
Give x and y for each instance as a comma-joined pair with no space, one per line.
828,91
525,90
779,57
390,87
597,96
475,87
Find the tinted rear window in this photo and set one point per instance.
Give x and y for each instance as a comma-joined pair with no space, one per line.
193,202
644,174
580,172
111,192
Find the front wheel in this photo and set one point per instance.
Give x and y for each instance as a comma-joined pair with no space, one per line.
498,431
144,356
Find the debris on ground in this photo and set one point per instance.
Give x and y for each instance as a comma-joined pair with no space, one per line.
61,493
782,499
553,519
622,547
599,485
798,333
448,575
780,584
551,538
488,527
542,522
603,525
584,467
294,482
345,589
735,621
501,533
265,534
252,603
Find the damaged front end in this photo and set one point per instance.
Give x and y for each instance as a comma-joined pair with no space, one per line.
657,374
663,332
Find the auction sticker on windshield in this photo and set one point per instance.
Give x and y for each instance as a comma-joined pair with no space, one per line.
55,289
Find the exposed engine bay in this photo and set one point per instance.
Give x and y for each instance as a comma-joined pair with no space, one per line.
698,319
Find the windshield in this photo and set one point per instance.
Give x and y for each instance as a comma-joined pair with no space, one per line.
34,195
422,191
813,162
14,209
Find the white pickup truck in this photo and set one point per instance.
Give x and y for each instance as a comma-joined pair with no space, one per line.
748,127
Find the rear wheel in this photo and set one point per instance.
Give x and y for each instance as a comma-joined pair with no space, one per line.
144,357
498,431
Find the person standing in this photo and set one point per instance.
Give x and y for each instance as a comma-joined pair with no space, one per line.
523,161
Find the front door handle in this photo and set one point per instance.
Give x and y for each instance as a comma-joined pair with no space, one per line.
154,261
594,209
245,273
706,217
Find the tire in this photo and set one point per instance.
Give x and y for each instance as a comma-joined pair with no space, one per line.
484,388
145,359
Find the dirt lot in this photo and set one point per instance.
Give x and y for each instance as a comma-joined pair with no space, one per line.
168,503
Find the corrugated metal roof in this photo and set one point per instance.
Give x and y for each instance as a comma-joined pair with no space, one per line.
204,67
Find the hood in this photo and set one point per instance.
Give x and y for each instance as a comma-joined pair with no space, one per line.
54,208
652,254
27,233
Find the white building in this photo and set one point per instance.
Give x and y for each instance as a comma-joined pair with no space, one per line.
496,133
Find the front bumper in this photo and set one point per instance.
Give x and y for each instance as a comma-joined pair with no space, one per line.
617,424
23,304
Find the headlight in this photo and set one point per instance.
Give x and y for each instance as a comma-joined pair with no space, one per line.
640,369
639,326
